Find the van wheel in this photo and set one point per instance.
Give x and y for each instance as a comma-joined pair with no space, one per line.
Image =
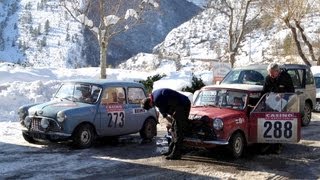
149,129
236,145
83,136
307,115
28,138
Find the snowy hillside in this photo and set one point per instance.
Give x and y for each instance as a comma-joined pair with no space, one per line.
41,33
9,31
205,37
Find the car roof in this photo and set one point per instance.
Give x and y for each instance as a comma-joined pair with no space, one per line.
245,87
294,66
253,66
104,82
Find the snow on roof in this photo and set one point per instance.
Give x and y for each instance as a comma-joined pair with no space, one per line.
246,87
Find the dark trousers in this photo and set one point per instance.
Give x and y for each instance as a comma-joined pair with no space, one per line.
179,125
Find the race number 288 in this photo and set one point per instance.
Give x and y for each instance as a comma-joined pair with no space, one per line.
277,129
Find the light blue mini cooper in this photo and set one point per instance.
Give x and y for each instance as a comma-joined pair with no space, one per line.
86,109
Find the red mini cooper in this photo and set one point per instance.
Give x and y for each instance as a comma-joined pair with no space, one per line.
234,115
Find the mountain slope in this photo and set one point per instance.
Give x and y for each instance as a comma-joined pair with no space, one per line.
143,37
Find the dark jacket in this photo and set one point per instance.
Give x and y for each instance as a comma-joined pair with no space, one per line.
281,84
168,100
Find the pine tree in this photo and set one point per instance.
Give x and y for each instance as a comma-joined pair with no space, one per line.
47,27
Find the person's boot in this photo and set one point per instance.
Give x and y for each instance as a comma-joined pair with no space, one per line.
169,150
175,155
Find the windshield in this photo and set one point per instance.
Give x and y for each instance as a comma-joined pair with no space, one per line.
79,92
317,79
245,76
222,98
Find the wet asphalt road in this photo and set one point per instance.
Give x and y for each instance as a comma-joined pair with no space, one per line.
128,158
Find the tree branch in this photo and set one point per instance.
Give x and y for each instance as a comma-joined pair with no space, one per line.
305,40
295,38
240,37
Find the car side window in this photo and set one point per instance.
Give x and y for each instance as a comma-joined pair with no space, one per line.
114,95
296,77
135,95
309,77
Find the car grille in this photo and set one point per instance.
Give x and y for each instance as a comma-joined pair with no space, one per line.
36,125
201,129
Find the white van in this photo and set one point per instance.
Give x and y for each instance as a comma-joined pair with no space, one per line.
316,74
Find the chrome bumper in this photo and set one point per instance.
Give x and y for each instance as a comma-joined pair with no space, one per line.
205,142
200,141
58,134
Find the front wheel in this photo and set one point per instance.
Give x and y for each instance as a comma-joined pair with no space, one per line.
236,145
149,129
83,136
307,115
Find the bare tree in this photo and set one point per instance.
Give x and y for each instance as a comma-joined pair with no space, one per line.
291,12
238,22
106,18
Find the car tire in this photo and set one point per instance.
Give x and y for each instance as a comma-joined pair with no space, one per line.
236,145
83,136
149,129
305,121
28,138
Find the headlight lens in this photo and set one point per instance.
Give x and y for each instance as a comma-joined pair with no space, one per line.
27,121
217,124
61,116
44,123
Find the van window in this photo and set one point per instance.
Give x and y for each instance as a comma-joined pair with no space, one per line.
296,77
317,80
309,77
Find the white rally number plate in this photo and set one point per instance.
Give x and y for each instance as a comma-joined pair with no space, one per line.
277,130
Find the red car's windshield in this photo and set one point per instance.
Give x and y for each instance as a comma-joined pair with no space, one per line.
222,98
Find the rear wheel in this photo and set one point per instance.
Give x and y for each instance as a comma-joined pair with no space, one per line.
28,138
149,129
236,145
83,136
307,115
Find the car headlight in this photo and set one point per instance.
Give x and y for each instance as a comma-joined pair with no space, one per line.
44,123
22,113
217,124
27,121
61,116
